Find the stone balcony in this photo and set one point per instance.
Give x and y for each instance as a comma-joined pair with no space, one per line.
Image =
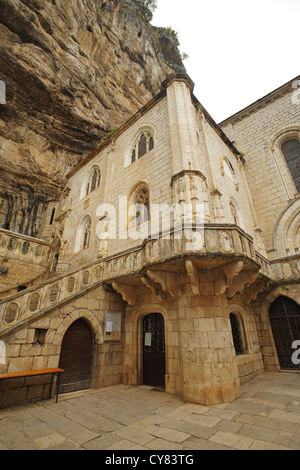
286,269
220,260
23,259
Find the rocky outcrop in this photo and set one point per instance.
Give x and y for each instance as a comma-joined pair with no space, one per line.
73,71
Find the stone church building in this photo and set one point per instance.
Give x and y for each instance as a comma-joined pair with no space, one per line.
172,259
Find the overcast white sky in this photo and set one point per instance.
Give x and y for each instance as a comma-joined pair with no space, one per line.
239,50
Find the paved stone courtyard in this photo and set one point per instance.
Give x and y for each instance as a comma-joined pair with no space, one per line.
265,417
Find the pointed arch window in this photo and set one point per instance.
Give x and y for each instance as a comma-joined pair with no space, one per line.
94,181
291,153
139,212
142,207
143,145
83,236
86,235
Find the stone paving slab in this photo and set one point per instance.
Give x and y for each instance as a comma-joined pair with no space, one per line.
265,417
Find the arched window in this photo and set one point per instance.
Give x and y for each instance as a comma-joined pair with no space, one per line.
143,145
139,212
228,169
291,152
142,207
86,236
237,335
94,181
83,237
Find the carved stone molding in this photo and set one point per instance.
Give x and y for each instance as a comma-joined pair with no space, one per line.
243,280
127,292
155,288
225,275
169,282
251,293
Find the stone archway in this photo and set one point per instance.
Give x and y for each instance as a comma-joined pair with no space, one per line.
76,357
263,324
94,325
284,314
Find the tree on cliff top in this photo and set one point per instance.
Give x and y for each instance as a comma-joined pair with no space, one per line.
147,8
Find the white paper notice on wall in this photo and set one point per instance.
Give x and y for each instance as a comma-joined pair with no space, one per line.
2,92
2,353
148,339
113,326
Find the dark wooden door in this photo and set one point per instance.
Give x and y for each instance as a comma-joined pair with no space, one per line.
154,361
285,323
76,358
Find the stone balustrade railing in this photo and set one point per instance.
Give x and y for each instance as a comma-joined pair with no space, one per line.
285,269
22,259
216,241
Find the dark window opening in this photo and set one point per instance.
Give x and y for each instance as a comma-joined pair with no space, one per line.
52,216
291,152
236,334
21,288
142,146
39,336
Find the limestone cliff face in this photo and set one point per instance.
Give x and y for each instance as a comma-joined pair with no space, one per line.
74,70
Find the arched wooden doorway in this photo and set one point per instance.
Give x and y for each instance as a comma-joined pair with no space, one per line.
76,358
285,322
154,361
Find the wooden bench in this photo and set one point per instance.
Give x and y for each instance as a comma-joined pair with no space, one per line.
32,373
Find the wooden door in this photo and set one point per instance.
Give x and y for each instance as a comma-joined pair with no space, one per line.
285,323
76,358
154,362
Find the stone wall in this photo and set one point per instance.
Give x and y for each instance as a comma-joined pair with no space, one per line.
25,352
258,132
201,364
189,153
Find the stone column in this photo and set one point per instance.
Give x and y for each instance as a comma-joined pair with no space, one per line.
183,124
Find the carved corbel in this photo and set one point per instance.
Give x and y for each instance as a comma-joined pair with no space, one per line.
193,275
127,292
244,279
155,288
225,276
169,282
251,293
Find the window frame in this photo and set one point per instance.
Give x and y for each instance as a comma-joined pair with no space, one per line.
294,177
276,142
141,229
246,348
91,186
134,152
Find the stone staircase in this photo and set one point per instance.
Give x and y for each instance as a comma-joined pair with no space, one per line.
226,249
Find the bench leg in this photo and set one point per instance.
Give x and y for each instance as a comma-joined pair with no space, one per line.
51,387
57,386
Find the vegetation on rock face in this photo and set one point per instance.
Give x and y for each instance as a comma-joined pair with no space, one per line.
146,7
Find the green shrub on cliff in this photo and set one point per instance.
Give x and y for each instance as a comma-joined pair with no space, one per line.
147,8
